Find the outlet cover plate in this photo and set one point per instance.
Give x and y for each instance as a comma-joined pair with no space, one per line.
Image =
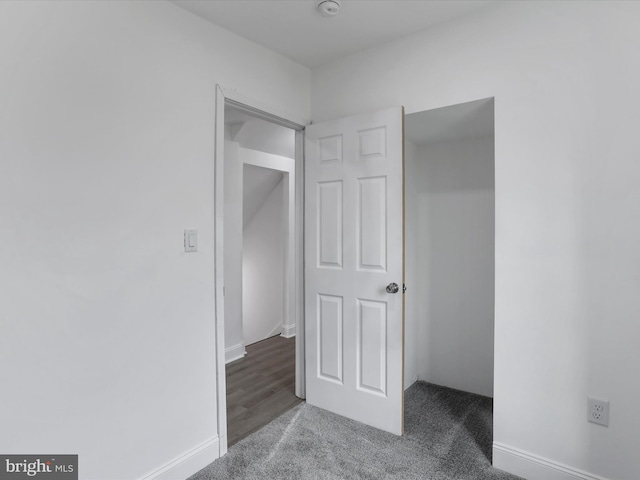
598,411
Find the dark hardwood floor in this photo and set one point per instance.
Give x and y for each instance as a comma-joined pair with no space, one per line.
260,386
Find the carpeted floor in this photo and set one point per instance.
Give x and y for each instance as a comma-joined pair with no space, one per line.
448,435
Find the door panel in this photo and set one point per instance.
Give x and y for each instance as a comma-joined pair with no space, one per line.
371,227
330,338
353,250
329,215
372,355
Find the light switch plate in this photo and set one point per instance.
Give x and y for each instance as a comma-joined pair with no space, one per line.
190,241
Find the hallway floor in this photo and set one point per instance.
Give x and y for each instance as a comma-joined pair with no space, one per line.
260,386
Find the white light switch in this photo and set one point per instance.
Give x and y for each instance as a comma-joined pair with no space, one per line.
190,240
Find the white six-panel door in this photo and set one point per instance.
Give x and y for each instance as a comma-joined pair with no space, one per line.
353,251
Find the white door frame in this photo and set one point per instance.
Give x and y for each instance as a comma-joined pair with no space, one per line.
294,270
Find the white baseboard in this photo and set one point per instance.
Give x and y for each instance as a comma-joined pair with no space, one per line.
191,462
288,331
234,352
533,467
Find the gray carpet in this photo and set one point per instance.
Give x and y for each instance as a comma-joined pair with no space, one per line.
448,435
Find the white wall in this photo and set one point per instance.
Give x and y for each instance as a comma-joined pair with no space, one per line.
106,148
454,181
564,76
411,271
233,225
263,270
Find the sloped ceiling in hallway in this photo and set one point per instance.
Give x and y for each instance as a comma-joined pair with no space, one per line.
258,183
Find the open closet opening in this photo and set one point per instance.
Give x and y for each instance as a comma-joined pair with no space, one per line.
259,208
450,224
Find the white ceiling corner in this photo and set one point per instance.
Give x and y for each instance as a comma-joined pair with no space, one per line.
296,30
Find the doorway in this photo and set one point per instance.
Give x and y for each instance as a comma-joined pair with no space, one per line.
259,180
261,346
265,147
450,210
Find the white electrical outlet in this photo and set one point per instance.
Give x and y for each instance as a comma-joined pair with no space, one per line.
598,411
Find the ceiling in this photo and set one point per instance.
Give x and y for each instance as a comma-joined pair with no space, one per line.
296,30
257,185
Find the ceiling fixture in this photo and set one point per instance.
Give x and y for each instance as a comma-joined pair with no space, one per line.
328,8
